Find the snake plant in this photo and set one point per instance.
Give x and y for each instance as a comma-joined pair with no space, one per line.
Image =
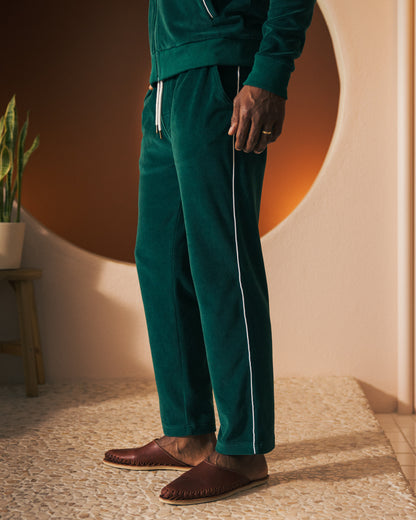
13,160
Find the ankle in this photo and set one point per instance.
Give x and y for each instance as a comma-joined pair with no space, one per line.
237,461
191,449
199,437
253,466
204,437
186,441
208,439
242,458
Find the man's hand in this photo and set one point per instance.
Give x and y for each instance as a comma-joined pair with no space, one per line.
255,110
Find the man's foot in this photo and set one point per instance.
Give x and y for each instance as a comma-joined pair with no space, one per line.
191,449
179,453
216,477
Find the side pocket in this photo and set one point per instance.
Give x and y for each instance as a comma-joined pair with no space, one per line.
209,8
226,77
148,112
148,93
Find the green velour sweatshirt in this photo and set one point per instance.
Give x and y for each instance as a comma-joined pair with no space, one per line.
267,35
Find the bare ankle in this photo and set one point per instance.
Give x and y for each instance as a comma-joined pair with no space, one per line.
200,438
253,466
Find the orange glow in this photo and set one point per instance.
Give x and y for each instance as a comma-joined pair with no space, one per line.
285,185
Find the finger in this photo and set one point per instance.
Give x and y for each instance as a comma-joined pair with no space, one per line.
253,137
234,119
266,139
276,131
233,128
242,130
262,143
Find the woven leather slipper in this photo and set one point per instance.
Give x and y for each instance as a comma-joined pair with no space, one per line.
206,482
148,457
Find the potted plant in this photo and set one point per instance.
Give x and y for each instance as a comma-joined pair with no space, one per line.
13,160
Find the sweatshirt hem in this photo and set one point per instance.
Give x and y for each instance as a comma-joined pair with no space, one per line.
217,51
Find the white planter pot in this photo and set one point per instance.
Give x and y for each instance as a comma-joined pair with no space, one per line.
11,244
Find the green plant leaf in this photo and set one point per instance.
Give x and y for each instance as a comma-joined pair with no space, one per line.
5,161
10,123
2,129
12,143
29,152
20,148
20,165
16,125
13,192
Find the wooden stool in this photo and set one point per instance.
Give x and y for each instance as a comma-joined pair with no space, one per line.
28,346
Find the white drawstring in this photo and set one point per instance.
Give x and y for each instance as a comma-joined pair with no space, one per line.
158,111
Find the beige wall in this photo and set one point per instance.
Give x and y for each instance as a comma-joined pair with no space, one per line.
331,264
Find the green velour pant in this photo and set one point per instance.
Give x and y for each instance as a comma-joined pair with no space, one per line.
200,265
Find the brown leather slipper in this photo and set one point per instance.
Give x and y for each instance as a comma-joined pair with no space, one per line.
206,482
148,457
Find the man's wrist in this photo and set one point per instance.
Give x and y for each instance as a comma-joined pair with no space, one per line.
270,74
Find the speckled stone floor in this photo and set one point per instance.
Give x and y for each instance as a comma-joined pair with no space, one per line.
332,459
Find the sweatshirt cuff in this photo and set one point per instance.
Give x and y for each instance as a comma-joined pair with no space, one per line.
270,74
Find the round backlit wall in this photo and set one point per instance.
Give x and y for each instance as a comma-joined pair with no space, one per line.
82,70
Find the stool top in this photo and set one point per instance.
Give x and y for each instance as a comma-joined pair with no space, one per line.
20,274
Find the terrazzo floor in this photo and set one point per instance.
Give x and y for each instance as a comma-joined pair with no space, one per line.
332,460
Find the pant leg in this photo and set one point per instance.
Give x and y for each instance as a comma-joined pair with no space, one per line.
170,304
220,192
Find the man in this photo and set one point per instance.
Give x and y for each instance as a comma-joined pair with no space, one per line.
218,87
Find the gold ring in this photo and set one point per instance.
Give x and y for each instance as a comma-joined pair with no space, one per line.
265,132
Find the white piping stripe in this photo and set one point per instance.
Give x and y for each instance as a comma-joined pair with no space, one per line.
156,106
208,11
241,285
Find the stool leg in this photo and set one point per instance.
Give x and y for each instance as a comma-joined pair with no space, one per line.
23,295
36,339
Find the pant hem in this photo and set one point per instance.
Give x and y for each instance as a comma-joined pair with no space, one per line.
244,448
